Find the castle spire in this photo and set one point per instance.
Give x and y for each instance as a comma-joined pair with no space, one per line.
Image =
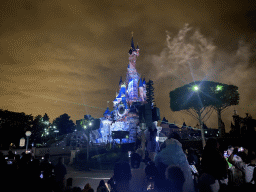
132,76
121,81
132,44
140,83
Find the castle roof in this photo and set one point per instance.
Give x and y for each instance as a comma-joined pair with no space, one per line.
144,82
164,120
140,83
107,112
132,47
122,91
121,81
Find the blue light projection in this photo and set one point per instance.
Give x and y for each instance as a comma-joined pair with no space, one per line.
119,119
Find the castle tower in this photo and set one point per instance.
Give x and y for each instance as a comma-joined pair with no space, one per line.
144,89
132,76
141,90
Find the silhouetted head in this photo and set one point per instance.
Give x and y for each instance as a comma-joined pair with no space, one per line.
102,183
175,178
47,156
87,186
61,160
17,157
212,144
191,151
135,160
242,155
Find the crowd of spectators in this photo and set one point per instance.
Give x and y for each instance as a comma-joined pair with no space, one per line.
176,170
24,172
172,169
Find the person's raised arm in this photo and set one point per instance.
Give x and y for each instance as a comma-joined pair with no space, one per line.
231,157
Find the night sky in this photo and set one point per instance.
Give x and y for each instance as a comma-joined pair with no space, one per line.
67,56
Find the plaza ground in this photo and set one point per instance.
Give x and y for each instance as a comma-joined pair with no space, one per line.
80,178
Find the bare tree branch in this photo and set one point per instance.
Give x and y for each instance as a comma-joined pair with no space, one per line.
210,111
191,113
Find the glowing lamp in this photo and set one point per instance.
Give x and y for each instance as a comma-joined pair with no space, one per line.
195,88
219,87
28,133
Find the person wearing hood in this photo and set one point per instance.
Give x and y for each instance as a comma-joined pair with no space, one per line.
87,187
214,168
102,187
172,155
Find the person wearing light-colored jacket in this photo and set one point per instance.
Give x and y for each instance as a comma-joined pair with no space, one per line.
172,154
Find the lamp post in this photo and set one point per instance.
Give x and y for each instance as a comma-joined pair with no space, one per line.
88,138
196,88
56,131
28,133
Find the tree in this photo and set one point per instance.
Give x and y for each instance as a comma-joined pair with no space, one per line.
150,93
46,118
13,126
199,99
37,129
64,124
227,96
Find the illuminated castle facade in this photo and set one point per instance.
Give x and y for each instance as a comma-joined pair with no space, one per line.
125,115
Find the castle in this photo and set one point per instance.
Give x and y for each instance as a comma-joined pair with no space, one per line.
125,115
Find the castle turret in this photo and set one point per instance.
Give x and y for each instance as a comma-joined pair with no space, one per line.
132,76
138,50
121,81
107,113
133,54
120,95
141,90
144,89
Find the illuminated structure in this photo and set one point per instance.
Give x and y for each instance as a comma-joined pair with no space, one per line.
124,117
